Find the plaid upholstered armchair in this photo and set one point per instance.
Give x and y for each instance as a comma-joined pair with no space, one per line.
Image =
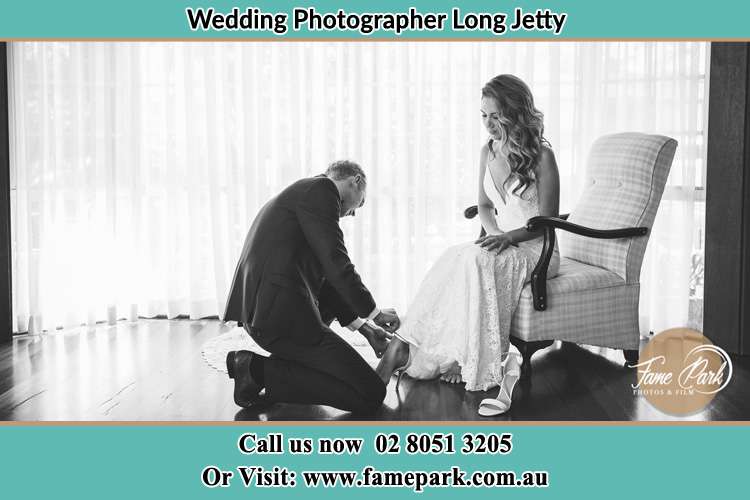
594,297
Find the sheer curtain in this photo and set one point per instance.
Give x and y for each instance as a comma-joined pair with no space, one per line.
137,167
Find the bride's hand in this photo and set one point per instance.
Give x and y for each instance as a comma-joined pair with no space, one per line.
377,338
498,242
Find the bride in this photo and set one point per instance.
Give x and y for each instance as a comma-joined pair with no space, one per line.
458,324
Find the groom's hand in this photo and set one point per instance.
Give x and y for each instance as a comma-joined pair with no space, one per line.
377,337
388,319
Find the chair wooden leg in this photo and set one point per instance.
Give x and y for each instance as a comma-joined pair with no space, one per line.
527,349
631,357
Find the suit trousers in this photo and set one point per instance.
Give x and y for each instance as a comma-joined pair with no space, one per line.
329,372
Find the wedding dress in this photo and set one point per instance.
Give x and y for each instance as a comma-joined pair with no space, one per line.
463,309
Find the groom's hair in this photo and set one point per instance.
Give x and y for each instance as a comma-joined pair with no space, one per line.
343,169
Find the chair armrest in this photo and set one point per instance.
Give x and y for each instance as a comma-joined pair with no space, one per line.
473,210
548,224
558,222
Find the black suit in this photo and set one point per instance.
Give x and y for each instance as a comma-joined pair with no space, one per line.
293,278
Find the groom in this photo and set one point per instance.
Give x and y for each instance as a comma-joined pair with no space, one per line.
293,278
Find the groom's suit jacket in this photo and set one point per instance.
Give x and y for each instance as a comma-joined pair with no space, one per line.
294,263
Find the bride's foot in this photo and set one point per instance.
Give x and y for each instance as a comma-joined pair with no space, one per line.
453,374
396,357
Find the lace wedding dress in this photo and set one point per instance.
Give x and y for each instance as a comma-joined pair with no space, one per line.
463,309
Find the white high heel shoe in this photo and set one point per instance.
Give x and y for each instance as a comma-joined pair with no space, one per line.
491,407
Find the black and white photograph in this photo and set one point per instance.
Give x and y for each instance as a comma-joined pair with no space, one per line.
372,230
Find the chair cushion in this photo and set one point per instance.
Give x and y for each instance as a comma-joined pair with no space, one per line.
574,276
585,305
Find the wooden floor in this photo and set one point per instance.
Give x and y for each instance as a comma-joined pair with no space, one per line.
152,370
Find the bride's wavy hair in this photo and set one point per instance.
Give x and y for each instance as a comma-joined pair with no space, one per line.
521,127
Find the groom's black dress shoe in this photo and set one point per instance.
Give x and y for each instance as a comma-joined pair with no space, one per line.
246,389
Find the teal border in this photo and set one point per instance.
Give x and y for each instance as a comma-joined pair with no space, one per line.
584,461
166,19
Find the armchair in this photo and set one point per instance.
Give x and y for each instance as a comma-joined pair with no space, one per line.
594,297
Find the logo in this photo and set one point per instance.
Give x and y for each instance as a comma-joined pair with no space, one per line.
680,371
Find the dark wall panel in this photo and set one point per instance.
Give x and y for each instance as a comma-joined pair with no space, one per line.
5,257
727,280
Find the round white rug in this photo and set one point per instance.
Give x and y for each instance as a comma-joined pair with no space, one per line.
214,351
